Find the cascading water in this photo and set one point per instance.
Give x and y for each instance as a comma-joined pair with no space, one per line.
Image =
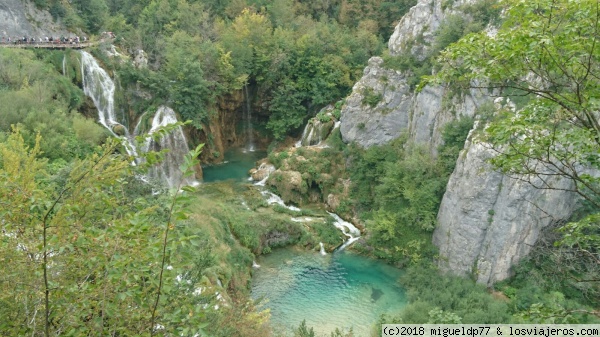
248,121
316,131
64,65
98,85
347,228
168,170
101,89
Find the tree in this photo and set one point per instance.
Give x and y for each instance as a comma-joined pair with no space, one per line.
547,55
81,255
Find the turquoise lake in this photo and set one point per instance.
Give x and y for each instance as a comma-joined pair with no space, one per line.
236,166
340,290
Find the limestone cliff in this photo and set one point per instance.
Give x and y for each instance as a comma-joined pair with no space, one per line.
487,221
384,104
20,18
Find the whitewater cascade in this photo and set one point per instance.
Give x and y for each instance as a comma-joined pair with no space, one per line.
64,65
322,250
347,228
168,170
248,121
98,85
316,131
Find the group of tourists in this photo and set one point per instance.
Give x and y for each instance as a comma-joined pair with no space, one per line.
45,40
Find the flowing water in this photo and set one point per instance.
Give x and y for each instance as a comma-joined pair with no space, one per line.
339,290
98,85
236,165
248,121
168,170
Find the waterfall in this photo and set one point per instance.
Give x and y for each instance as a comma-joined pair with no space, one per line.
248,121
316,132
176,144
275,199
98,85
101,89
323,252
64,65
347,228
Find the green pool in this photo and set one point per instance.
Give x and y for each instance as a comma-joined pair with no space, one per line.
236,165
340,290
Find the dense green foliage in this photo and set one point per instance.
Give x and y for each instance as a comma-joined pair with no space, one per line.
35,96
398,189
86,249
296,56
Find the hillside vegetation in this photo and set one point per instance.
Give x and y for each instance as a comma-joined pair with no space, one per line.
87,249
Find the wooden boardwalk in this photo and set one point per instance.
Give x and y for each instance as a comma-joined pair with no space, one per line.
44,45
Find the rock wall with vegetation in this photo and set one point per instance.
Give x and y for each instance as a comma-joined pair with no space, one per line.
385,103
22,19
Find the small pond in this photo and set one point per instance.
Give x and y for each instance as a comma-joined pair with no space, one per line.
236,165
340,290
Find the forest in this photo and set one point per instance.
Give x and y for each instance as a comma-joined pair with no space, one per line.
87,248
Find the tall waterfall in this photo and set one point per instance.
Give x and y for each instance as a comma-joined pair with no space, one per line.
248,121
98,85
64,65
168,170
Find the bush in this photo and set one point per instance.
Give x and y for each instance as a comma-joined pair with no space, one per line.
371,98
430,293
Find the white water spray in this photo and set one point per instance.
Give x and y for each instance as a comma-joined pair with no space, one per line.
98,85
168,170
347,228
248,118
275,199
64,65
323,252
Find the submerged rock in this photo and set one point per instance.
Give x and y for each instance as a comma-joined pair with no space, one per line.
376,294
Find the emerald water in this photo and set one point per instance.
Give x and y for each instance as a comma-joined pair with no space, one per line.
340,290
236,165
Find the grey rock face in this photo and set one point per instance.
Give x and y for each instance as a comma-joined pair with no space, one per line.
140,59
420,22
488,221
20,18
383,122
400,109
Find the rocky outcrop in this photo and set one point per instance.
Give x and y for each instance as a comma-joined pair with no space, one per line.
383,103
20,18
382,118
488,221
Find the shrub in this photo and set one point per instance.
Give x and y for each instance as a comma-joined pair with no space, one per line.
371,98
